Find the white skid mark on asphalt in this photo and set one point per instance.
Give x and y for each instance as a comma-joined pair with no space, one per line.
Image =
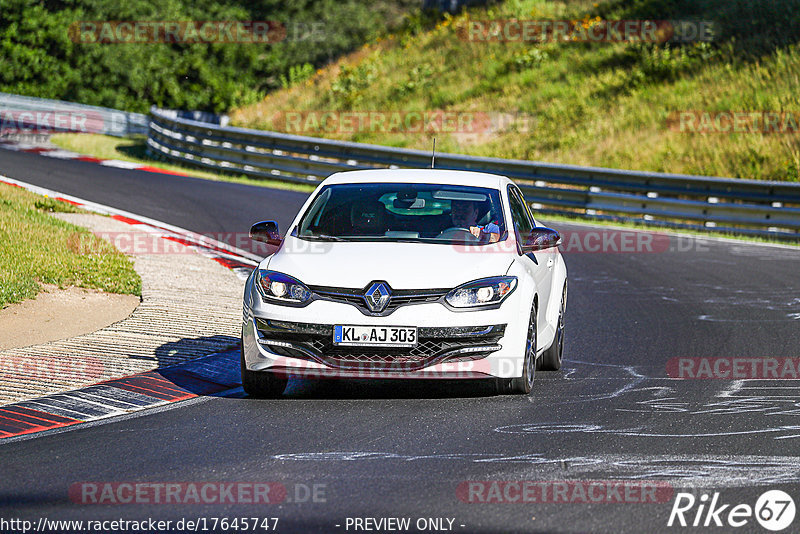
639,432
712,471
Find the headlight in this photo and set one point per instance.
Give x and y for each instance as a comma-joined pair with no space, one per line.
484,292
275,286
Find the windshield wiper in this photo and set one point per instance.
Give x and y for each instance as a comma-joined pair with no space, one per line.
323,237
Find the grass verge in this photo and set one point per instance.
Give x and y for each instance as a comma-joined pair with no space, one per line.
36,248
134,151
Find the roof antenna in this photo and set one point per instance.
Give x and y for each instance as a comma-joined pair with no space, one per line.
433,153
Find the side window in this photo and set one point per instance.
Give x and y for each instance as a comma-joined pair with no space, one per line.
519,212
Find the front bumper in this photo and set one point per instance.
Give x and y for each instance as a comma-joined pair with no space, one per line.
468,345
436,345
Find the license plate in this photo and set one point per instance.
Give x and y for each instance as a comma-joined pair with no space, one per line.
375,336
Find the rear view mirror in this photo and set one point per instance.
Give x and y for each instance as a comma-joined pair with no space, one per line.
412,204
266,231
541,238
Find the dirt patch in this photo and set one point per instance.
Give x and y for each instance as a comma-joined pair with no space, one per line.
60,314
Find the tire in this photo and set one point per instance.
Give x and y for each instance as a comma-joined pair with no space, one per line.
524,384
551,358
261,384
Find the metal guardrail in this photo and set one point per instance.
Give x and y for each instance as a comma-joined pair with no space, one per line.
24,114
743,206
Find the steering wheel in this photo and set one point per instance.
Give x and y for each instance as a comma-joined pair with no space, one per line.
456,233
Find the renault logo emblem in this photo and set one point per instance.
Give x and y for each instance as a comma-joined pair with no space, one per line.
377,296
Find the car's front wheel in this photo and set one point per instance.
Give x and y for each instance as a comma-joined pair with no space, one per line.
261,384
524,384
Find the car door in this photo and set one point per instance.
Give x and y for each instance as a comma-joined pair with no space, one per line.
538,264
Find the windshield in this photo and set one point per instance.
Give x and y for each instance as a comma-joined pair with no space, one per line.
431,213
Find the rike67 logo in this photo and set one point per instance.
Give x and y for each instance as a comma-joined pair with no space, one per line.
774,510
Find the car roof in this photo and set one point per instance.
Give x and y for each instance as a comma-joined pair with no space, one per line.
419,176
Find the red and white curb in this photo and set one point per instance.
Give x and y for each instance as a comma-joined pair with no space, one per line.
239,261
60,153
205,376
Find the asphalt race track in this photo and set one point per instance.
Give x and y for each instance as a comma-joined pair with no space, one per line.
382,449
200,205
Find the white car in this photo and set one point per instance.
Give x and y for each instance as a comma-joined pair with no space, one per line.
406,274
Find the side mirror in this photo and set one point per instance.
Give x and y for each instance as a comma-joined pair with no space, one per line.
541,238
266,231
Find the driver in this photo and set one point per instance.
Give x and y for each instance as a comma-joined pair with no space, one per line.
464,214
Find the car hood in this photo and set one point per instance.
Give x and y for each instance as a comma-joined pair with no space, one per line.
401,265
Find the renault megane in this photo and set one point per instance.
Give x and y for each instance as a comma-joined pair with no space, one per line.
406,274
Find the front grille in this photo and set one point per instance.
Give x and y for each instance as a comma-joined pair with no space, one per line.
435,345
371,356
399,297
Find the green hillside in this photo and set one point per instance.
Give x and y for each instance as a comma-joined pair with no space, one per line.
585,103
